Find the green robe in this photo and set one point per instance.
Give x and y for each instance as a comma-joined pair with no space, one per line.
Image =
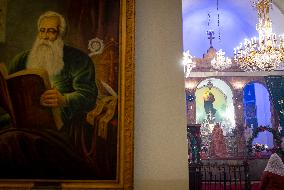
76,82
47,153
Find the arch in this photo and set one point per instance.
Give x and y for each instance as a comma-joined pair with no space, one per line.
263,99
223,103
258,111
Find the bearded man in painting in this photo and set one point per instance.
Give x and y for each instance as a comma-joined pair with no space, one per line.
74,92
71,72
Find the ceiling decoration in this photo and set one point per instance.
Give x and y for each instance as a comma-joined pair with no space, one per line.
237,22
265,52
219,62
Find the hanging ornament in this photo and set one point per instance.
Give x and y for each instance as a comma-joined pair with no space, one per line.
190,98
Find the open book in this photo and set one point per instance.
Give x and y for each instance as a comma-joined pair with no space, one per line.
20,97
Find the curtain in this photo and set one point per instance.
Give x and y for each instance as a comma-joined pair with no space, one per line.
275,86
92,18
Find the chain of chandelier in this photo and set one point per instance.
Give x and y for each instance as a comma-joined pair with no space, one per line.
264,53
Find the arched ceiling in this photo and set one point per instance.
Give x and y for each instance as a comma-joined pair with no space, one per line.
237,21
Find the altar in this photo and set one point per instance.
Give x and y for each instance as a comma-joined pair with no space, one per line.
233,126
234,100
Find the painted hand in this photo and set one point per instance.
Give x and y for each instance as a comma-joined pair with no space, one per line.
52,98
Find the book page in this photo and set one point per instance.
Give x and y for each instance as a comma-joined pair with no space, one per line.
25,88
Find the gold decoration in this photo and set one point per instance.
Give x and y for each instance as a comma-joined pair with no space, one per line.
262,53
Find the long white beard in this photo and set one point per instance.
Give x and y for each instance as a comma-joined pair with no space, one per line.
47,55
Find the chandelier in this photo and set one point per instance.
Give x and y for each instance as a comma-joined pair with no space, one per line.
188,63
220,62
262,53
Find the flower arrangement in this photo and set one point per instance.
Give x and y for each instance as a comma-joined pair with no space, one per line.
260,147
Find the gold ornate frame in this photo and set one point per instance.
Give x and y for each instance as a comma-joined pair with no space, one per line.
124,177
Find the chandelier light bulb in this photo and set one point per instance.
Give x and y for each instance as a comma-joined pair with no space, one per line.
220,62
188,63
266,52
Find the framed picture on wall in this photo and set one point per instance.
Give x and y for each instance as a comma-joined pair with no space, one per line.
67,95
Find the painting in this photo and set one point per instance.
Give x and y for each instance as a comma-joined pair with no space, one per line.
67,94
214,104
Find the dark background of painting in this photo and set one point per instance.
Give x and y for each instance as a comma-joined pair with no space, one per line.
86,19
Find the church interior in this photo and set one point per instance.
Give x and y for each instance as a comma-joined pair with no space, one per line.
234,89
176,114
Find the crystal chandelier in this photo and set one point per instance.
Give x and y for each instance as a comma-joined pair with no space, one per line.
188,63
262,53
220,62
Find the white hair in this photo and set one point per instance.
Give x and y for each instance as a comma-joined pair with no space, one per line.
48,14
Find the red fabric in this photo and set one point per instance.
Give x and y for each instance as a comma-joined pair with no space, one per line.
255,186
271,181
